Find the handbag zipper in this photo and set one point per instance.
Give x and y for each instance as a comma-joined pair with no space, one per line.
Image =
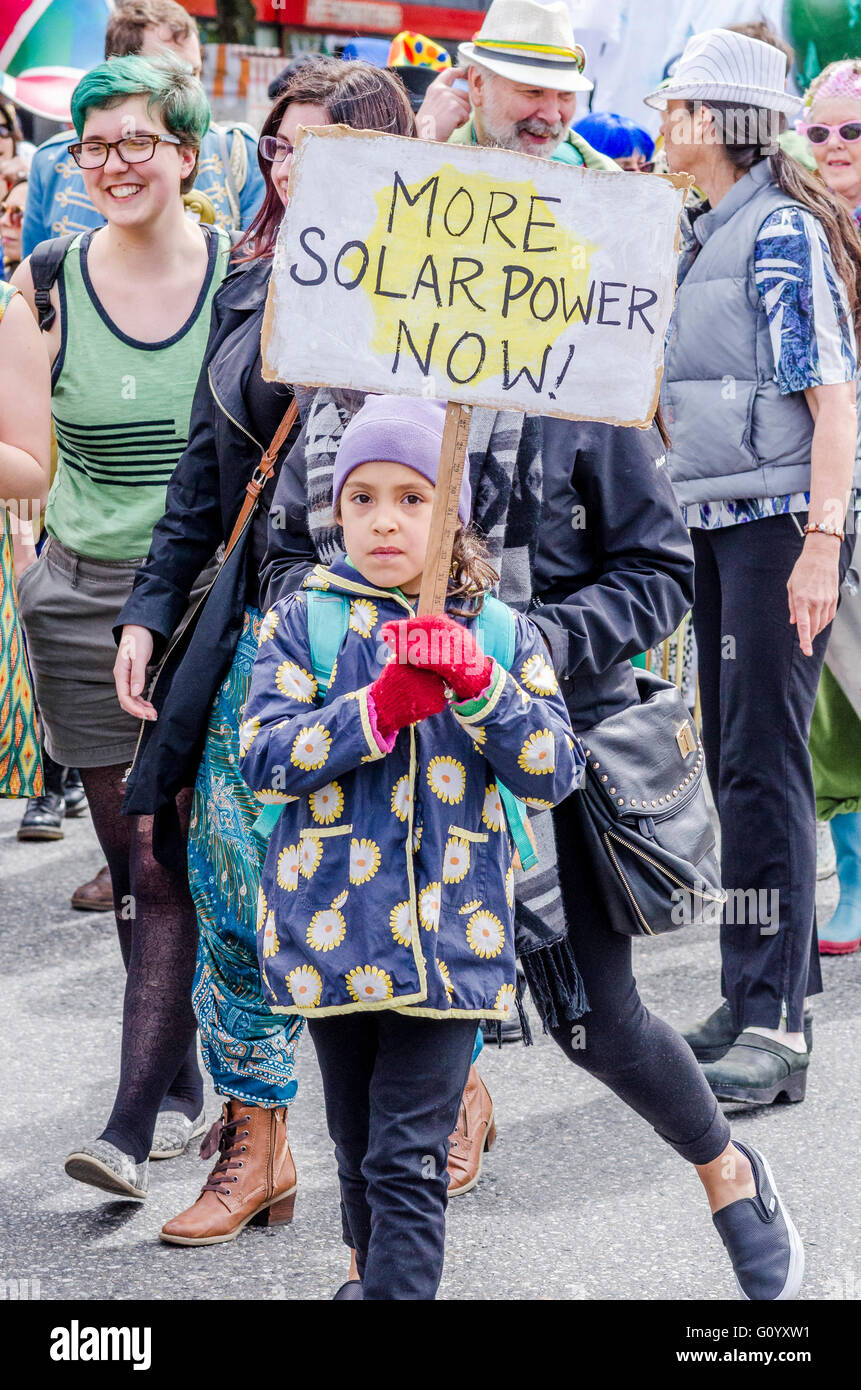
611,835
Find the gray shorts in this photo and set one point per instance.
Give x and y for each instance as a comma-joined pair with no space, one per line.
68,605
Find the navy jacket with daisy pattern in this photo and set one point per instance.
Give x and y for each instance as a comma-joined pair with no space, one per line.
388,882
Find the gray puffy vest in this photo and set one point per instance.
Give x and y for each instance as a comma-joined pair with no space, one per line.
733,434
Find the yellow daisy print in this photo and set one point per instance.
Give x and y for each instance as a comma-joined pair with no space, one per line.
492,813
262,909
399,921
429,905
368,984
287,871
417,838
478,733
538,803
326,930
401,797
363,616
305,986
311,747
455,864
446,977
364,860
506,999
509,887
327,803
310,854
295,682
248,731
469,907
270,937
538,675
268,625
447,779
538,753
485,934
270,797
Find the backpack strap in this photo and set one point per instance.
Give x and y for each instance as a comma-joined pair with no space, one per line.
495,632
45,262
328,617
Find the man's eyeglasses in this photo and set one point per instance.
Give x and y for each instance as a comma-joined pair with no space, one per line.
273,148
134,149
817,134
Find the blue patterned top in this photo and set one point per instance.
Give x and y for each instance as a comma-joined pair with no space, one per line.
812,338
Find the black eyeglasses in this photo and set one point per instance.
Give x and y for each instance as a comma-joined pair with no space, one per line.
273,148
134,149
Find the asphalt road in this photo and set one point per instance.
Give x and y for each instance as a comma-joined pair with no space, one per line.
579,1199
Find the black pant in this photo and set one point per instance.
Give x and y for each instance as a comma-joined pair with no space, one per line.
642,1059
393,1086
758,690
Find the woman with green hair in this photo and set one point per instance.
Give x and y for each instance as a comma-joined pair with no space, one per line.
131,309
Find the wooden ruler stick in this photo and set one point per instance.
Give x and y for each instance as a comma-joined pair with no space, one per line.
444,519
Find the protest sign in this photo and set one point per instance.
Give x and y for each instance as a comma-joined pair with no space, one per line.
474,275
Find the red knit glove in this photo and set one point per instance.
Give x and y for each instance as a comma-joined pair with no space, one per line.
437,643
403,695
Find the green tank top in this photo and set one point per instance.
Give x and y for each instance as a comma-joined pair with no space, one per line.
121,411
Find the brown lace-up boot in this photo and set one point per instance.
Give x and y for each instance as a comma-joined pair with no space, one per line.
253,1182
474,1134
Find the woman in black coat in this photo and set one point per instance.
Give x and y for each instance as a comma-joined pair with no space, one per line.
192,721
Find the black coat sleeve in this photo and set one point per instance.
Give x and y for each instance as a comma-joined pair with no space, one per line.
189,533
640,580
290,552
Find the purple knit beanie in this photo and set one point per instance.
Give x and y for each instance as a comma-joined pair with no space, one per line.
397,429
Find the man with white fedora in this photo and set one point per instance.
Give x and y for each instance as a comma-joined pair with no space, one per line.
524,72
759,396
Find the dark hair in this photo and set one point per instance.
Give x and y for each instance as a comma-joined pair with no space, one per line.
10,117
302,60
472,574
758,29
616,136
756,144
354,94
130,20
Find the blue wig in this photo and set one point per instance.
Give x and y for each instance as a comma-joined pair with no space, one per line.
616,136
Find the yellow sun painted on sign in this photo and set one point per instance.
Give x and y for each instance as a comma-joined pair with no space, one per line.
470,276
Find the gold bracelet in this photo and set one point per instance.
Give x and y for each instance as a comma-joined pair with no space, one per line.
824,528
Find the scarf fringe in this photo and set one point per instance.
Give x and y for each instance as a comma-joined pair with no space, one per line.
557,989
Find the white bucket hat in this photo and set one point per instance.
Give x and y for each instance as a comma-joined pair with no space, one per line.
720,65
530,43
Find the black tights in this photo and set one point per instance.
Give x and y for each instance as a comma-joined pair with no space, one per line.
157,928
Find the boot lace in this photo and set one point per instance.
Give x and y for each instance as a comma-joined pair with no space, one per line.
227,1138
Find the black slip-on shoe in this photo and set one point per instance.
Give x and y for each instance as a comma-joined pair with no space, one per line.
349,1292
712,1037
766,1251
757,1071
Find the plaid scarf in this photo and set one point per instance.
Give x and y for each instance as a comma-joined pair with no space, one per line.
504,458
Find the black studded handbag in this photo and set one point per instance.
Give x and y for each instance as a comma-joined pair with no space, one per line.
646,814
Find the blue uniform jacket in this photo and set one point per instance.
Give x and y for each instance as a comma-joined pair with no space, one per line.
57,201
388,883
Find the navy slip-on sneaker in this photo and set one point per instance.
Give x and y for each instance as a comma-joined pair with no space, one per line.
764,1246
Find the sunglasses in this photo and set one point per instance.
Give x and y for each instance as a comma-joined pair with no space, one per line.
274,149
817,134
14,215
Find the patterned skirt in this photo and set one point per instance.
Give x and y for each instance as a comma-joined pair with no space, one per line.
249,1051
20,756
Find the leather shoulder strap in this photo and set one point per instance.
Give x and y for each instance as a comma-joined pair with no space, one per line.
261,475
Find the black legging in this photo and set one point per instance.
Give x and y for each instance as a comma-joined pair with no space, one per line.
157,928
643,1060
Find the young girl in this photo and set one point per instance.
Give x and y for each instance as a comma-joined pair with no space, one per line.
386,906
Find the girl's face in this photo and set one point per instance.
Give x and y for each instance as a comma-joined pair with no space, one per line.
385,511
838,161
300,113
133,195
11,220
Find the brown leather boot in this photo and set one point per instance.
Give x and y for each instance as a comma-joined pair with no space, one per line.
253,1182
97,895
474,1134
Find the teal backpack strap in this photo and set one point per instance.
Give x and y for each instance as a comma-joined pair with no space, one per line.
495,633
328,620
